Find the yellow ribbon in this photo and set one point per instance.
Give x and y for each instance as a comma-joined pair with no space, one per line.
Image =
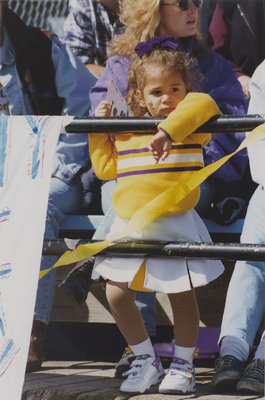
156,207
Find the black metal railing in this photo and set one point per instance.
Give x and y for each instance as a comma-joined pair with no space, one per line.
225,123
224,251
134,248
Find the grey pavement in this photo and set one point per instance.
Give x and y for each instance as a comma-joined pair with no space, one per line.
66,380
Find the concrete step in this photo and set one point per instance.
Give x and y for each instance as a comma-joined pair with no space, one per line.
89,380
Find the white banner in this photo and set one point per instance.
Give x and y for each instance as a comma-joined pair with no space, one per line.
27,146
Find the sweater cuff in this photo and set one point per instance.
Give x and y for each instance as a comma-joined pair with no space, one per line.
166,134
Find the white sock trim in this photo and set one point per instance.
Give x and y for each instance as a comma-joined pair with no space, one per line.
186,353
144,347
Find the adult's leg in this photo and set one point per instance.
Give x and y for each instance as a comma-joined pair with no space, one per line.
63,199
245,300
245,303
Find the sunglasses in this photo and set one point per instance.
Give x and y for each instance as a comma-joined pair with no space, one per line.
184,4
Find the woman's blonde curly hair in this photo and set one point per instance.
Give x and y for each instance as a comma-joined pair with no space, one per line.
141,19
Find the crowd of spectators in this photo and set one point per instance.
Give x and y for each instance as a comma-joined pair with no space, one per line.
99,40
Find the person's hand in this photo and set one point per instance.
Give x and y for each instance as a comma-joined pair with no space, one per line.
103,109
244,82
160,146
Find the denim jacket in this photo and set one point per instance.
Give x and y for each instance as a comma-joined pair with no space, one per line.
73,82
256,151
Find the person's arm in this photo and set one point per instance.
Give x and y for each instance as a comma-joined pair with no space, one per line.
102,148
73,80
116,69
192,112
256,151
87,30
103,155
222,85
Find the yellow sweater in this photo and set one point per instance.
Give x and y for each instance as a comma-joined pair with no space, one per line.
139,178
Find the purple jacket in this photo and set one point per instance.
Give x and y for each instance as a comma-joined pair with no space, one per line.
220,82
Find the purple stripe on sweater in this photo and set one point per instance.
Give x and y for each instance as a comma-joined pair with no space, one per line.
145,149
158,170
186,146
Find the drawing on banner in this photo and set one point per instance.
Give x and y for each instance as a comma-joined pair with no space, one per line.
39,143
37,131
3,148
8,350
119,106
4,214
27,147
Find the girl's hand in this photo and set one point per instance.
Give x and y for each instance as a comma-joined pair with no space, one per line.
103,109
160,146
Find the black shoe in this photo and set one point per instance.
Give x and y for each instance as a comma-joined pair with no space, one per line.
125,363
228,372
77,283
36,348
252,380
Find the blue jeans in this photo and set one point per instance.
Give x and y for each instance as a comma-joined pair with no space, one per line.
245,299
207,189
64,198
145,301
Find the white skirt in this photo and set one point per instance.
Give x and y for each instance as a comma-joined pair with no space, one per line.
163,274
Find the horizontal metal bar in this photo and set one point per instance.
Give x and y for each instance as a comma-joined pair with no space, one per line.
225,123
126,248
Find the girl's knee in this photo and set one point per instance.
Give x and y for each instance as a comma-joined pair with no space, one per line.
119,292
182,297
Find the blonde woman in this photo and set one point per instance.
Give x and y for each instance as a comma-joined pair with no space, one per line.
179,19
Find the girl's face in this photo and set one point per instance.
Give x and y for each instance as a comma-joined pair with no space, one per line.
164,89
175,22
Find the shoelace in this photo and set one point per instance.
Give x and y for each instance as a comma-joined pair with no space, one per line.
255,370
225,363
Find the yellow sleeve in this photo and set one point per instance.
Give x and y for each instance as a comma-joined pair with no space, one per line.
103,156
190,114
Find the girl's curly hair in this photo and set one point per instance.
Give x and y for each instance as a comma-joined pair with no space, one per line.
167,59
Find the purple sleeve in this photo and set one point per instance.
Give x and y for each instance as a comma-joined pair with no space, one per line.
116,69
220,82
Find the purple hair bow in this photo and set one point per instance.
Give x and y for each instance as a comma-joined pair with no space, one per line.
163,42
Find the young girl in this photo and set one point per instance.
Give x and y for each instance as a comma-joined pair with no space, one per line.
161,86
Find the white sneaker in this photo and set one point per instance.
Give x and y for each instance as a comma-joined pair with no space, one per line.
179,379
145,371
